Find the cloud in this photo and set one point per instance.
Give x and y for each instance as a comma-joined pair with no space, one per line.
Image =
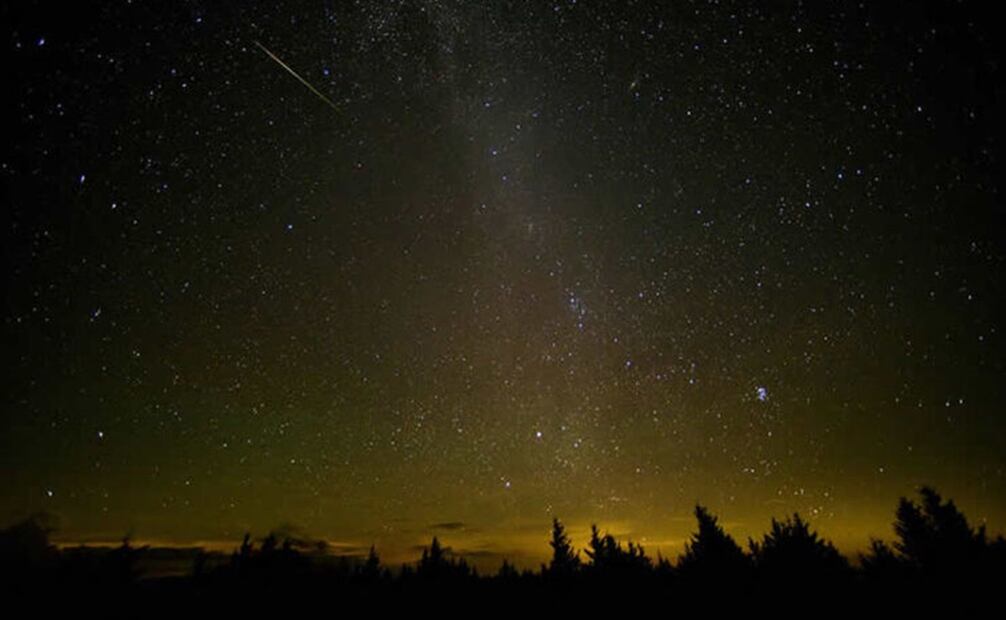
481,554
420,548
347,549
448,526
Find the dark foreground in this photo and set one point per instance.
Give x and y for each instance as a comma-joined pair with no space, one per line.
937,566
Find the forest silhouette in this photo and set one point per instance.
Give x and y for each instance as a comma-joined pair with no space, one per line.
936,560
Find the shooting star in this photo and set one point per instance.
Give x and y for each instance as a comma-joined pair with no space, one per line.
296,75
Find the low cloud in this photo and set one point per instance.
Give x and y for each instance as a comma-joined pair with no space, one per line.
448,526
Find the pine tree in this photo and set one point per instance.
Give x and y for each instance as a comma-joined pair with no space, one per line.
936,536
565,561
371,568
597,549
507,572
711,551
881,561
608,557
434,563
792,548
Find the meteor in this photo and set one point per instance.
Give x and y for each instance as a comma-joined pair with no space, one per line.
296,75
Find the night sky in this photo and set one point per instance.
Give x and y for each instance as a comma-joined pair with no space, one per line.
497,263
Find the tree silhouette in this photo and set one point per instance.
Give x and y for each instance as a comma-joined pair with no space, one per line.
26,543
936,552
663,569
712,552
607,557
935,536
435,565
269,545
881,559
507,573
792,550
27,558
937,548
432,562
565,561
121,563
371,567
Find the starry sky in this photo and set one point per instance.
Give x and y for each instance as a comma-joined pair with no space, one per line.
494,262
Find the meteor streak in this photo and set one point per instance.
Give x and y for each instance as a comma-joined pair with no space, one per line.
296,75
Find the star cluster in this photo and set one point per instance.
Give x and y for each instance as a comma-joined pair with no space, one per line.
587,259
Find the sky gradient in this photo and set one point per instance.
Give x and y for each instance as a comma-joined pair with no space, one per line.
378,271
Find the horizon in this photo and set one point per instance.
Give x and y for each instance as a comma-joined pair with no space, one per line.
372,272
486,550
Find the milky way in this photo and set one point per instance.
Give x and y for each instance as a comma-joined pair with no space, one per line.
593,260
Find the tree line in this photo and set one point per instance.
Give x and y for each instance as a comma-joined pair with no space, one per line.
935,552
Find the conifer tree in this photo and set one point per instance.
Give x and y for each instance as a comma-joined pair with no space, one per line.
565,561
711,550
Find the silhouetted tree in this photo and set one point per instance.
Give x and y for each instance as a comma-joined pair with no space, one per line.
880,558
433,558
936,553
883,567
711,552
935,536
406,573
370,570
121,564
26,543
607,557
269,545
938,549
461,568
246,546
507,573
791,550
27,559
435,565
565,561
663,569
597,549
242,557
